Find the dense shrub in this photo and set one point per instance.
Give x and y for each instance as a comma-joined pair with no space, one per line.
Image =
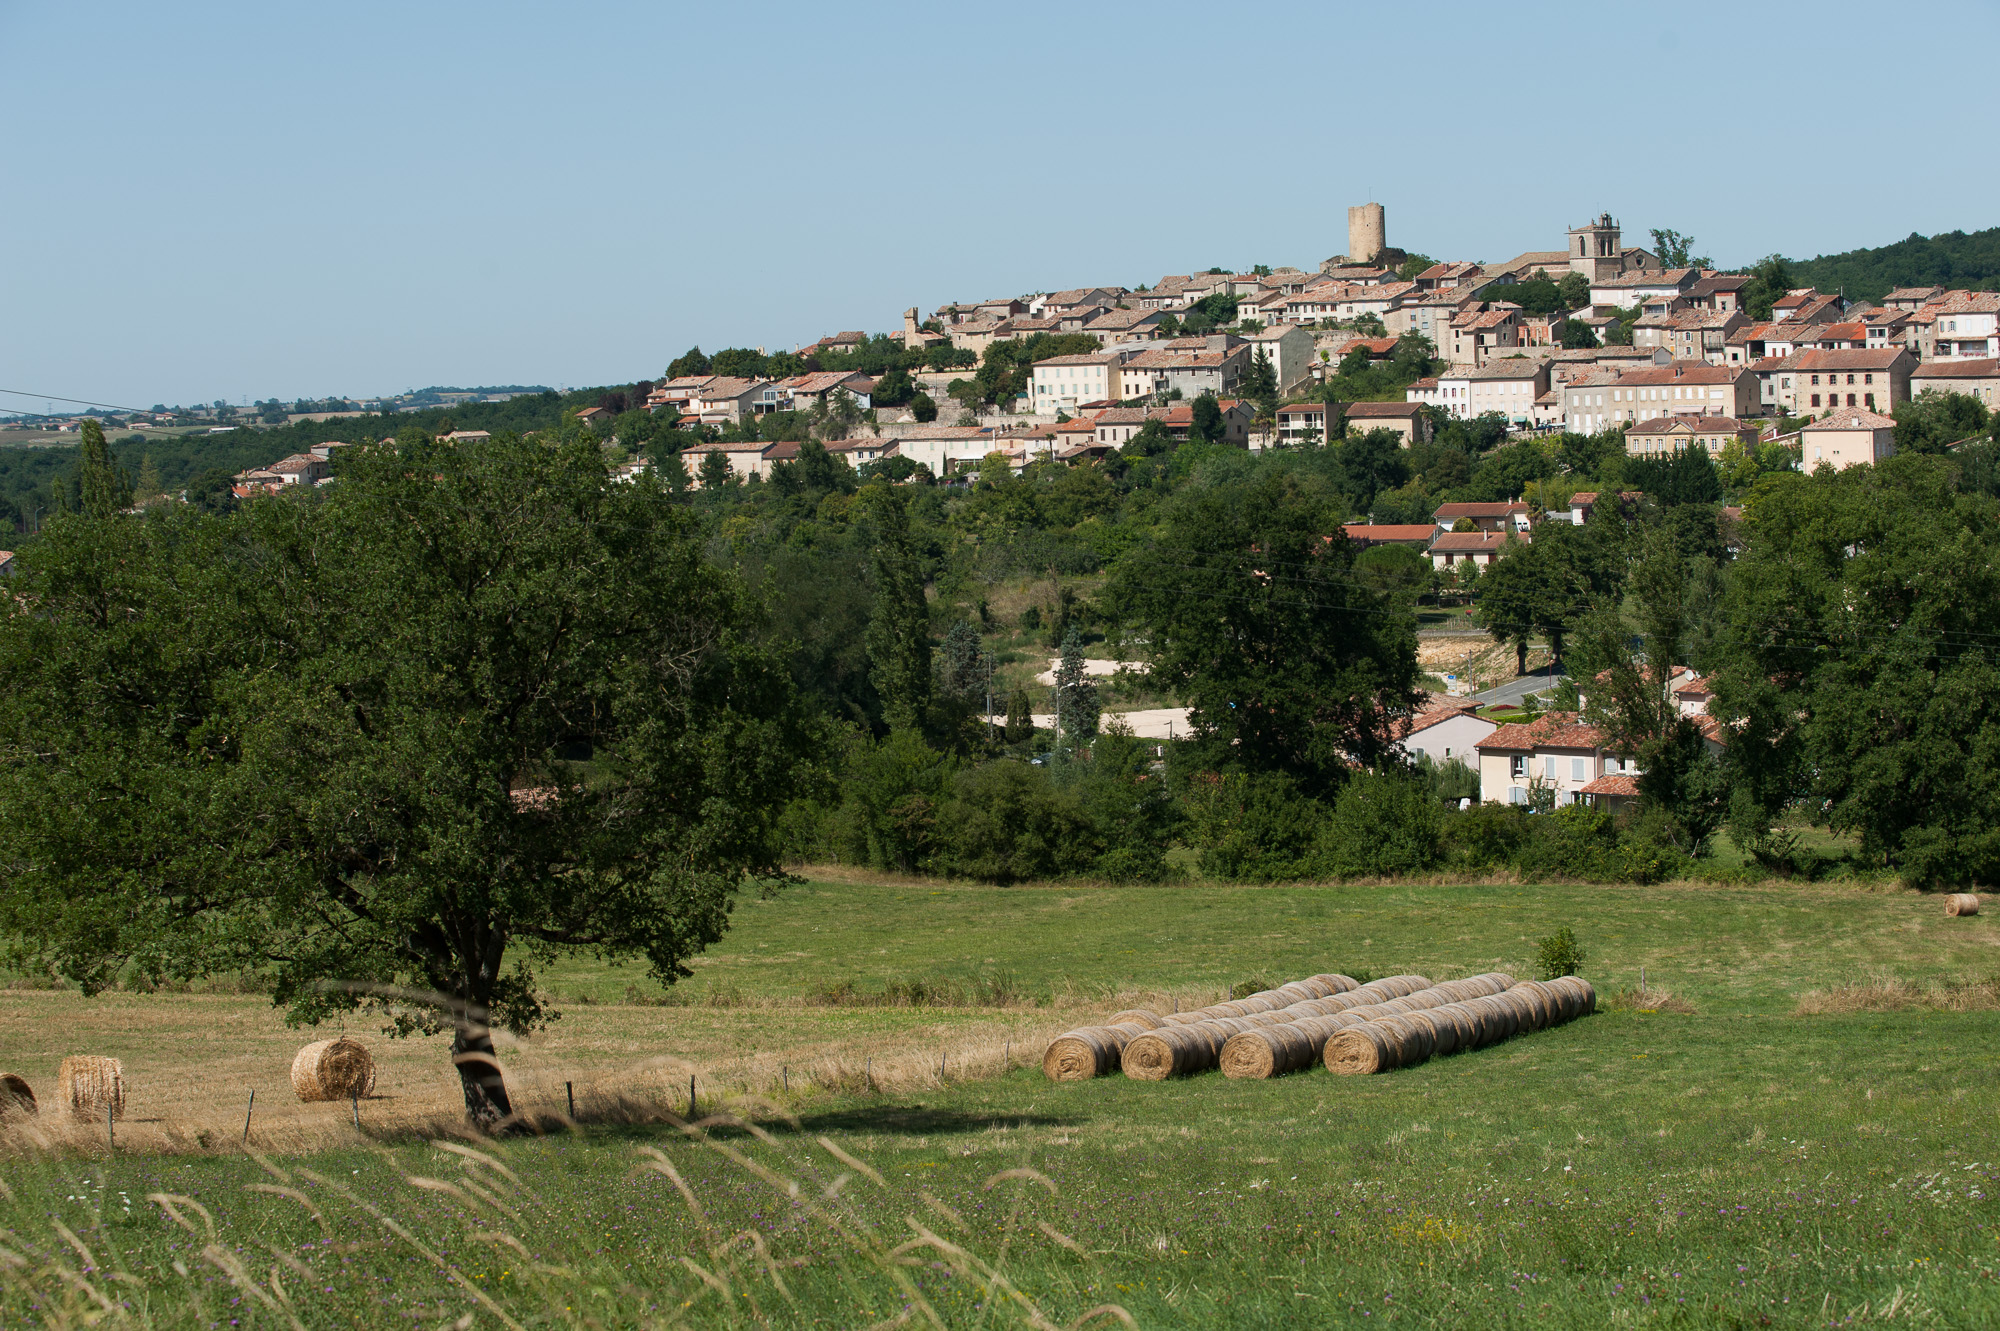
1253,828
1008,821
1382,825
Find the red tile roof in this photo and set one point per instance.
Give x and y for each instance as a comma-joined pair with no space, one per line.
1557,730
1613,785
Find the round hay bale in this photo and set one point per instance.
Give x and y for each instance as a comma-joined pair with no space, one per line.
1360,1050
1585,995
1142,1016
336,1069
1341,983
1268,1051
1961,903
1173,1051
87,1083
1534,1001
16,1096
1091,1051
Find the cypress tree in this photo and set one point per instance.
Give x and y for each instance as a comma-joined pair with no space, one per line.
103,491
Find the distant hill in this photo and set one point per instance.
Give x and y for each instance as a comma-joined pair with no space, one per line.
1954,259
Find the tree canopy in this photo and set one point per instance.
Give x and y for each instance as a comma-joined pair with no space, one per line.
392,743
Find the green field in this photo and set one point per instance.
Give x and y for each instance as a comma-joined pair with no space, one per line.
1738,1165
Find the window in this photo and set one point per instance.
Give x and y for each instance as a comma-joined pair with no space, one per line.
1870,400
1868,379
1517,766
1549,766
1850,396
1815,381
1815,398
1517,795
1579,769
1850,378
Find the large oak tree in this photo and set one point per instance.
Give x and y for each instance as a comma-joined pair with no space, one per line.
464,710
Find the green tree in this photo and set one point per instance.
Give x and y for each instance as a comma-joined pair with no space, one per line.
148,485
689,363
1633,699
372,743
1574,291
1675,249
1260,382
963,665
1853,678
102,488
1575,335
893,389
922,408
715,471
899,629
1932,420
1287,663
1207,424
1076,697
1020,717
1515,593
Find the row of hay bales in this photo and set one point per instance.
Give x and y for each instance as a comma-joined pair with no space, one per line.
91,1086
1394,1022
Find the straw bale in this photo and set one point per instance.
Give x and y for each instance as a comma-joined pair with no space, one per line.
1175,1051
1340,984
16,1096
1961,903
1535,1000
1580,991
1439,1028
336,1069
87,1083
1145,1018
1273,1051
1091,1051
1360,1050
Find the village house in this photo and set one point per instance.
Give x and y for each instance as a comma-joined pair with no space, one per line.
1810,382
801,391
1680,388
1445,730
1290,351
1475,335
1077,298
1416,535
1405,418
862,449
746,458
1974,378
946,448
1303,423
1665,436
1556,753
1500,517
1477,548
1966,326
1506,387
1124,326
1430,313
1214,364
1848,437
299,469
1064,383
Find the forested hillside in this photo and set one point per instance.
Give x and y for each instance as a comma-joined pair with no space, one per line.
1952,259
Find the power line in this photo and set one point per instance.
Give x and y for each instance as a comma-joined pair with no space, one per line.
79,401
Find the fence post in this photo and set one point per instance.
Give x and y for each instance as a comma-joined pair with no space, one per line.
569,1089
247,1111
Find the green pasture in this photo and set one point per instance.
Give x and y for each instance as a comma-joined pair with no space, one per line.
1741,1165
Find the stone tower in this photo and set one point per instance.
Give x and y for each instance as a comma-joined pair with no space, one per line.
1365,232
1594,250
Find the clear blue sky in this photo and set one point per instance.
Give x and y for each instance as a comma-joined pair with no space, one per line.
214,200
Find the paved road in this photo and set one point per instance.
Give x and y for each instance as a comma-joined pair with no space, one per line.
1514,690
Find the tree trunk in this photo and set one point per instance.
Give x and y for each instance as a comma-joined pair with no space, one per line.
486,1102
1520,656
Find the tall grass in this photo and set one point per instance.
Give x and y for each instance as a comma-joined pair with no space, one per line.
459,1234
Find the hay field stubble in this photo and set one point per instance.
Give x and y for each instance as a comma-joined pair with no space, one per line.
1743,1165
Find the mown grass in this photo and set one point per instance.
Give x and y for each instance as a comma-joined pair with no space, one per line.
1742,1165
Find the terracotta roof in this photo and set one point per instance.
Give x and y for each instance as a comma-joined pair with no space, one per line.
1370,410
1699,424
1683,372
1557,730
1852,418
1435,713
1875,358
1453,512
1612,785
1390,531
1473,542
1958,369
